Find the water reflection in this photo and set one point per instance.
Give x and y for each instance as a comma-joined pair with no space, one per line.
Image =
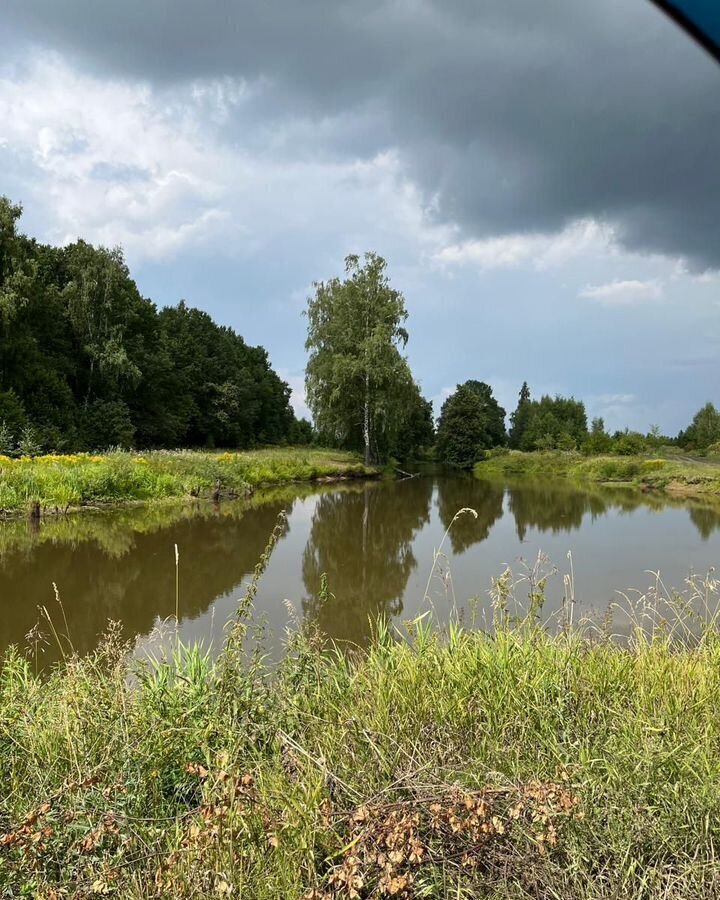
485,497
122,568
705,520
553,507
374,541
363,541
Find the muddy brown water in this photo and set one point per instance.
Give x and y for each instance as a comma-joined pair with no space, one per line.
375,542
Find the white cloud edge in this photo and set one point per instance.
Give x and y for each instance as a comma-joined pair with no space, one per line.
622,292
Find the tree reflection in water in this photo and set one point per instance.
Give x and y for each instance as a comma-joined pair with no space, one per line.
552,507
705,519
362,540
119,564
485,497
127,574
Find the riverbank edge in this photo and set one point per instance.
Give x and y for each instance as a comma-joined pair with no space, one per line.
679,478
50,485
509,763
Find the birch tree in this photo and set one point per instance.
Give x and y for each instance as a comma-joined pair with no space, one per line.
357,380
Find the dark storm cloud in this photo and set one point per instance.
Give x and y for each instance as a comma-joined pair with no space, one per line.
518,115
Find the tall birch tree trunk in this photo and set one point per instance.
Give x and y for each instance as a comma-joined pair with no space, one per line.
366,420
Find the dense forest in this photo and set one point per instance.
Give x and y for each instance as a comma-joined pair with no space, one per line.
87,362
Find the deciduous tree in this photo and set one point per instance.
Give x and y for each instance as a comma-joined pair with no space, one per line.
471,421
357,380
704,429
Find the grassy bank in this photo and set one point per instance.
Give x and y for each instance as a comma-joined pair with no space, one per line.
68,481
678,476
443,764
114,529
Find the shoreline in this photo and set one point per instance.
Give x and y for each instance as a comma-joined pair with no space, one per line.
686,478
53,486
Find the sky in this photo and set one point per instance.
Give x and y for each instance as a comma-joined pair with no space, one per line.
543,178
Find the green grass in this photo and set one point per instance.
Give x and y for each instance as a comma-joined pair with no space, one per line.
68,481
684,477
438,763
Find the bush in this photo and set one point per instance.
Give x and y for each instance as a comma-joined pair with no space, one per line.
629,443
566,442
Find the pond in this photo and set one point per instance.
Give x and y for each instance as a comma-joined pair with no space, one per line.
375,541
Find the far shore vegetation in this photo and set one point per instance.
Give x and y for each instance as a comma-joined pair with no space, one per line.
87,363
472,423
672,473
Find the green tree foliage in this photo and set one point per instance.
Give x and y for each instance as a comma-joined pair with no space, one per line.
520,418
302,432
29,445
417,432
554,423
471,421
598,440
629,443
359,385
87,362
107,423
703,431
12,412
654,437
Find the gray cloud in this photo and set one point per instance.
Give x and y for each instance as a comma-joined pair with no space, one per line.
514,115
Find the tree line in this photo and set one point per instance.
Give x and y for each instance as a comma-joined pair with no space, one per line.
363,396
472,422
87,362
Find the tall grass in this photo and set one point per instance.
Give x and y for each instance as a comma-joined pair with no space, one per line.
61,482
516,761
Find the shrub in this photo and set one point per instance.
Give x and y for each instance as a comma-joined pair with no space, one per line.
29,443
629,443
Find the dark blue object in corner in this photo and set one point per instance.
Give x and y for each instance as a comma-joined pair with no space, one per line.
701,18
